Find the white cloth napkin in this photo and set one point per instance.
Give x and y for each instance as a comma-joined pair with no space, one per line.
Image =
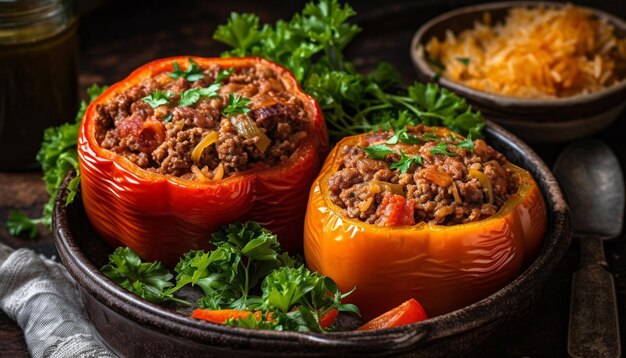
42,298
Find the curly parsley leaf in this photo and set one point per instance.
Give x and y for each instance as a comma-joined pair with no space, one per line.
158,98
19,223
403,136
244,254
285,287
378,151
191,96
381,152
236,105
148,280
430,137
57,155
241,33
467,143
442,148
222,75
296,299
405,162
193,72
311,46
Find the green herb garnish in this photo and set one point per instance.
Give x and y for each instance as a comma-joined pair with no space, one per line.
158,98
467,143
236,105
193,72
442,148
148,280
403,136
191,96
405,162
311,46
429,137
57,155
168,118
222,75
381,151
464,60
378,151
247,257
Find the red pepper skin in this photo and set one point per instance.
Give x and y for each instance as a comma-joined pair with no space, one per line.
161,217
328,318
408,312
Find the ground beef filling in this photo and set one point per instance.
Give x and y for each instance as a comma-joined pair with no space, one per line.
162,139
443,190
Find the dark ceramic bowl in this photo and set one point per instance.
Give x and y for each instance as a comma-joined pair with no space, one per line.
136,328
536,120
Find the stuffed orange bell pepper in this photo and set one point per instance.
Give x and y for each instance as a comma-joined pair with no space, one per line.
185,145
421,213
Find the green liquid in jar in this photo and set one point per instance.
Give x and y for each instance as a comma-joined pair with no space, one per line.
38,89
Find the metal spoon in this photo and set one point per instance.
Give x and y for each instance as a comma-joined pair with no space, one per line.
592,180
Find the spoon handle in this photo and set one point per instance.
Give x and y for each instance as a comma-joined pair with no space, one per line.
593,325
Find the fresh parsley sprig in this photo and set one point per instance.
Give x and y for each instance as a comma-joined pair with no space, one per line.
236,105
148,280
403,136
311,46
193,72
57,155
158,98
247,256
405,162
442,148
378,151
191,96
381,152
467,143
222,75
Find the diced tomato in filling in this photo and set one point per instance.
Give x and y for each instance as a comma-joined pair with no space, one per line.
396,210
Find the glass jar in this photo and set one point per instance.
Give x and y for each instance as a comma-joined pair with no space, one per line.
38,75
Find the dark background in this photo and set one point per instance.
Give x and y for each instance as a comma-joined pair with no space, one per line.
119,36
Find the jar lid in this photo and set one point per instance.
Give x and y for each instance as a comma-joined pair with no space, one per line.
23,21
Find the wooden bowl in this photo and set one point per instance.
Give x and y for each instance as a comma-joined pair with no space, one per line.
134,327
534,120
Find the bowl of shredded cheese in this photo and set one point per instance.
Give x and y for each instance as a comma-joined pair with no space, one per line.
549,72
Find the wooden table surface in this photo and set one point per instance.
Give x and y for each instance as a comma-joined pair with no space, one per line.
117,36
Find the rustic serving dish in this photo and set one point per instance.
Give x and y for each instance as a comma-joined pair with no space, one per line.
536,120
132,326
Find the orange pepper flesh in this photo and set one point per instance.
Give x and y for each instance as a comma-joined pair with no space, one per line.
444,267
408,312
161,217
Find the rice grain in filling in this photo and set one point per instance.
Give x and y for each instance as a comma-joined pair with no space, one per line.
162,139
443,190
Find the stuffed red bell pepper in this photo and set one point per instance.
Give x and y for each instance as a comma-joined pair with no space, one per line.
185,145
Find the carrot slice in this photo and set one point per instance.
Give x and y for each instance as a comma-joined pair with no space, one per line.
408,312
220,316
